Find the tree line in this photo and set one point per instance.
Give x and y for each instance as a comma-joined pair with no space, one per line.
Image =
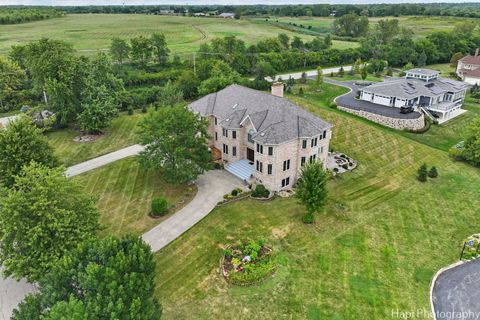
10,15
317,10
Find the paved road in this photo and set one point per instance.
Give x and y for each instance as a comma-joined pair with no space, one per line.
348,101
103,160
212,185
310,73
456,292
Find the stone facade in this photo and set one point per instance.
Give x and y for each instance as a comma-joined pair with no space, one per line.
399,124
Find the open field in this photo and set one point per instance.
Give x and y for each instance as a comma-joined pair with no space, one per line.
121,134
421,26
125,192
374,251
91,32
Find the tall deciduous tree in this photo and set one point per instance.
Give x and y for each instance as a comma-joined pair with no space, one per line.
220,76
21,143
42,217
101,279
141,49
160,48
119,49
312,189
176,143
12,79
351,25
471,148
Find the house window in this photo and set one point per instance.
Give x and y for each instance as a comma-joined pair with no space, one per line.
270,151
215,121
285,182
269,169
302,161
259,166
225,149
216,136
259,148
321,149
304,144
250,136
225,132
234,151
324,135
234,134
286,165
314,142
313,158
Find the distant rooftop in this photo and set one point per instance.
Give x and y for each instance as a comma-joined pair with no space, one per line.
426,72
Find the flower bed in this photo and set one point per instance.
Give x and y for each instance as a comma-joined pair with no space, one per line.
471,247
247,263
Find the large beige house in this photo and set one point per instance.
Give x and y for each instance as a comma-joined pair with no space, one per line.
468,68
263,138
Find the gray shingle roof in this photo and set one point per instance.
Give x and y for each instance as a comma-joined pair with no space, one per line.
276,119
410,88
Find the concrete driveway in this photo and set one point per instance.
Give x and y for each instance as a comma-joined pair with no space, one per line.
12,293
212,185
456,292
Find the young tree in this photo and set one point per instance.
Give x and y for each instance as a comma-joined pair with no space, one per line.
119,49
100,279
176,143
43,216
422,173
21,142
327,41
12,79
169,95
141,50
312,189
364,71
471,148
297,43
422,59
284,41
303,78
454,60
341,72
319,78
357,66
160,48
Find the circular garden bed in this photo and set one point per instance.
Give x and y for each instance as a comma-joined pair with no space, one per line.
247,263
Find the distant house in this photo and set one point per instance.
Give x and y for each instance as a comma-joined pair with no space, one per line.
199,14
420,89
468,68
167,12
263,138
227,15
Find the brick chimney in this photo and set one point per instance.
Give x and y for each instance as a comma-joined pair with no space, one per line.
476,52
277,89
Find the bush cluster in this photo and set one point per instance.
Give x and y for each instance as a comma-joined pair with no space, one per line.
423,173
260,192
159,207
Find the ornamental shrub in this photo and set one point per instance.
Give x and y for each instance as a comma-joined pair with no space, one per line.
130,110
433,173
260,192
308,218
159,207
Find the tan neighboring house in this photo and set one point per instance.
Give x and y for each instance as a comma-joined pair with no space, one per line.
263,138
468,68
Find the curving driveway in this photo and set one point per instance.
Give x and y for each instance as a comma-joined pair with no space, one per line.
455,292
212,185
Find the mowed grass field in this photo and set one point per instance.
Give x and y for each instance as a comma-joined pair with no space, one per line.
421,26
374,251
89,33
121,134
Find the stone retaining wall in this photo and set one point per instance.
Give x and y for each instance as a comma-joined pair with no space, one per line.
395,123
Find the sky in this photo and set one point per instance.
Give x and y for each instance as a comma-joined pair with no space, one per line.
203,2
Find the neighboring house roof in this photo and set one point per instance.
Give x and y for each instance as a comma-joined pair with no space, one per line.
472,73
276,120
471,59
426,72
226,14
411,88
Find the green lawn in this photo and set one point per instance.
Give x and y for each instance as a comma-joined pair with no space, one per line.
382,237
120,135
125,192
91,32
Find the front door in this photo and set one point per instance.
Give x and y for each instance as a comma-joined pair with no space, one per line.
250,154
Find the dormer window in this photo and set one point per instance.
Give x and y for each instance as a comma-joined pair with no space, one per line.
250,136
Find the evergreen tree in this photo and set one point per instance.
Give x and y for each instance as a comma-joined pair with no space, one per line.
422,173
312,189
433,173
